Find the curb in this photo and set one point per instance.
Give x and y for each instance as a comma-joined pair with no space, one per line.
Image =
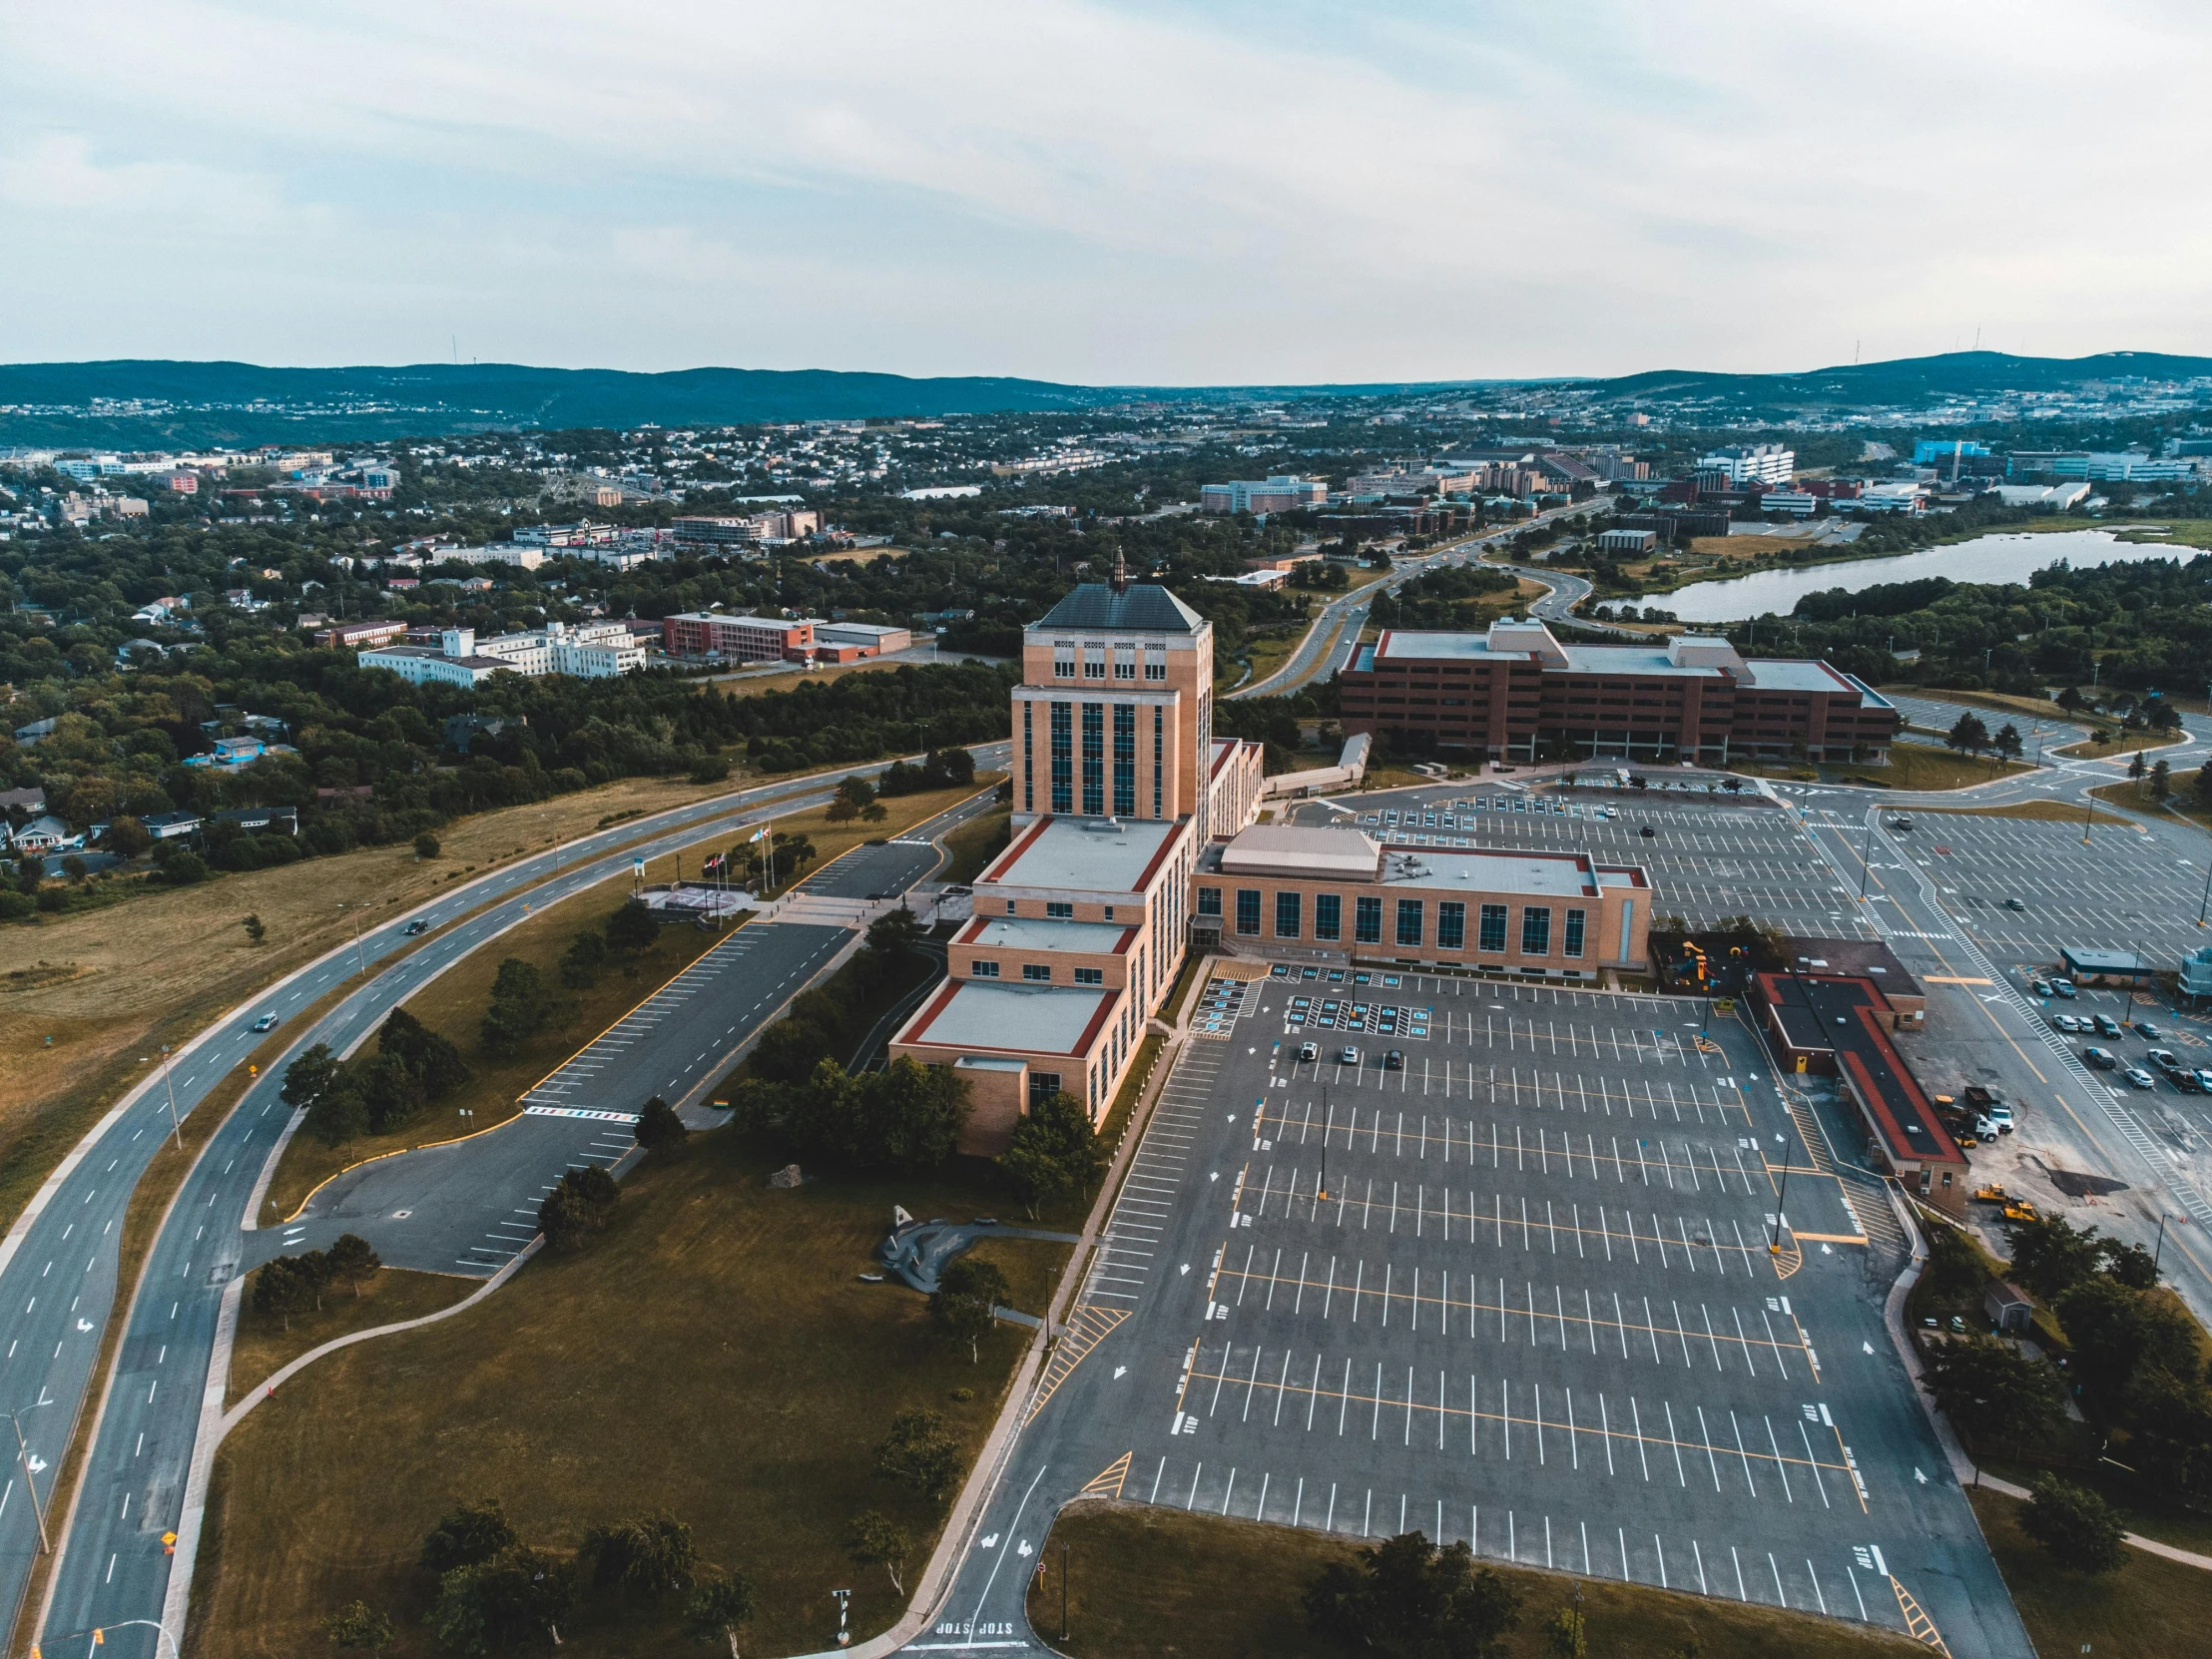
935,1583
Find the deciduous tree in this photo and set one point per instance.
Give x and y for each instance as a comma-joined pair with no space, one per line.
917,1453
872,1538
961,1306
2074,1524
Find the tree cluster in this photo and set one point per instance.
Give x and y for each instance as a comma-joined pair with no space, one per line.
494,1592
1406,1598
1054,1155
941,768
288,1285
413,1068
579,1206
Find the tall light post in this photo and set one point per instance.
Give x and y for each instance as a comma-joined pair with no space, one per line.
361,957
23,1457
175,1127
2160,1246
1782,1198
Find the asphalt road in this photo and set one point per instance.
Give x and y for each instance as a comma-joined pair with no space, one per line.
59,1268
1337,628
1993,1031
1536,1311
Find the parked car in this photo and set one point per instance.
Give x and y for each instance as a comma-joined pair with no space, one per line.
2139,1079
2041,987
1902,825
1395,1060
2147,1031
1308,1052
2102,1058
2164,1059
2106,1025
267,1022
2015,904
2062,989
2065,1022
1347,1056
2204,1080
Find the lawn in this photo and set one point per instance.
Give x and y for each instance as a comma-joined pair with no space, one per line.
1915,765
753,685
711,1356
264,1345
453,1004
975,844
2148,1609
1145,1582
89,993
2137,796
2040,811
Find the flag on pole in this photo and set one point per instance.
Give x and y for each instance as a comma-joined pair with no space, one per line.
759,834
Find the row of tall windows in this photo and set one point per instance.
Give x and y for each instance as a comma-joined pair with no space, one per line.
1409,919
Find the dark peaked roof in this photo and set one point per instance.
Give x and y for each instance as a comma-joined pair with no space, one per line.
1143,608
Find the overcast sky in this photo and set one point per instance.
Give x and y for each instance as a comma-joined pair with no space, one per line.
1119,193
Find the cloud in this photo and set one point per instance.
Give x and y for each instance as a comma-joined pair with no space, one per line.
1109,193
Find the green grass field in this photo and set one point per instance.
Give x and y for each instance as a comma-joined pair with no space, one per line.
1147,1583
712,1356
265,1344
2148,1609
1915,765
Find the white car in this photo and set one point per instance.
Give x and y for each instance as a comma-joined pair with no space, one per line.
267,1022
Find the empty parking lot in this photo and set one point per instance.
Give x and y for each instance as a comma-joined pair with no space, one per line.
1518,1289
1707,860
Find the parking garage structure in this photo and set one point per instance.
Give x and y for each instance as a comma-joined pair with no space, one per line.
1299,893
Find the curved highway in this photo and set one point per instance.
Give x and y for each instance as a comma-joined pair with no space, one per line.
59,1265
1329,640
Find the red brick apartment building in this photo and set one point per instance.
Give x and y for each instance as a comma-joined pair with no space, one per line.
1517,693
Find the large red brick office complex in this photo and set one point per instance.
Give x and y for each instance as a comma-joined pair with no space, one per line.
1517,693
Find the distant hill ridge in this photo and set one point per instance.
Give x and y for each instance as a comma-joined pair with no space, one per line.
217,402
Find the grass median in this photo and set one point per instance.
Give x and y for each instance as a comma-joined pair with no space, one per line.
1147,1583
87,993
266,1343
712,1356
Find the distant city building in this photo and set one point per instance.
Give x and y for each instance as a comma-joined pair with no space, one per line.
715,637
1767,463
1280,494
871,638
588,651
345,635
1794,503
1936,451
750,527
1632,542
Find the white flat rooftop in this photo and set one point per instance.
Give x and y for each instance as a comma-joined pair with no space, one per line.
1083,855
1011,1019
1535,875
1297,851
1096,939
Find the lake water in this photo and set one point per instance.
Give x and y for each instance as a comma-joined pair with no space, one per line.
1993,558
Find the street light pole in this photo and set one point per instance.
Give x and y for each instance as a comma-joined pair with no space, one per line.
175,1128
2159,1247
1782,1198
23,1455
360,960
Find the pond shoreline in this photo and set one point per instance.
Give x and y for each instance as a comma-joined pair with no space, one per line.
1716,607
